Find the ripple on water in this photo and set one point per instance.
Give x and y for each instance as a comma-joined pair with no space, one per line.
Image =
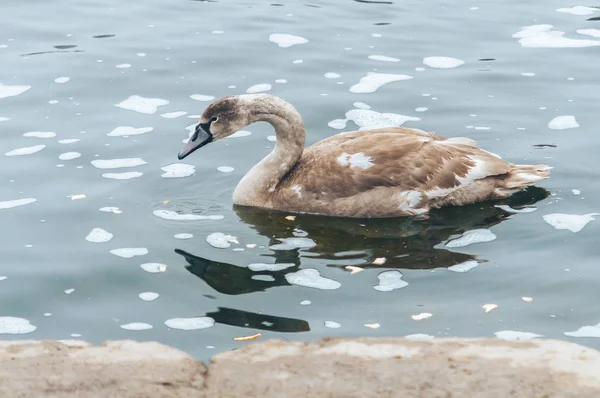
178,170
203,322
123,176
442,62
98,235
171,215
9,204
147,106
148,296
286,40
12,325
40,134
373,81
572,222
136,326
117,163
311,278
30,150
473,236
390,280
129,252
128,130
12,91
220,240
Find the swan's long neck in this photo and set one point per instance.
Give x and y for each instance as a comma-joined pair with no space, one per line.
261,181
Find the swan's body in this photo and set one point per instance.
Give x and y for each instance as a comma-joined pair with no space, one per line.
385,172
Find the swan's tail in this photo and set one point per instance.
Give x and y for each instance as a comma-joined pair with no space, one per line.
521,176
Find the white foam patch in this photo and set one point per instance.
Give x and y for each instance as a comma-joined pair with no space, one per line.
123,176
68,141
202,97
509,209
563,122
183,236
271,138
512,335
69,291
118,163
369,119
9,204
62,80
585,331
128,130
259,88
225,169
139,104
332,75
361,105
383,58
148,296
373,81
305,302
286,40
4,119
473,236
173,115
418,336
178,170
153,268
421,109
69,155
123,66
464,267
136,326
98,235
572,222
111,209
311,278
269,267
12,325
129,252
390,280
578,10
220,240
293,243
589,32
203,322
442,62
543,36
264,278
40,134
239,134
331,324
12,91
174,216
30,150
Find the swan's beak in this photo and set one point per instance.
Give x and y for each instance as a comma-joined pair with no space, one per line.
201,137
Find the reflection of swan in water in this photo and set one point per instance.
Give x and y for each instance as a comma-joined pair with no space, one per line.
406,242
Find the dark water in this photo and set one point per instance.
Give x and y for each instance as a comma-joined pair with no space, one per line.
203,47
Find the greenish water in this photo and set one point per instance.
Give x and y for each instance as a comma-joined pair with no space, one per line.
504,96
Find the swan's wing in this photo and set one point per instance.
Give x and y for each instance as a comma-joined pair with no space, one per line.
411,160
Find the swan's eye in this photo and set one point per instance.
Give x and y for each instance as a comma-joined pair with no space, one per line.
214,119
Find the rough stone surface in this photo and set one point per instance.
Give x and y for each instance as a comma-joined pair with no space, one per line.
384,367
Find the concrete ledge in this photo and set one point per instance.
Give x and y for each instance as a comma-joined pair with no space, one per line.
384,367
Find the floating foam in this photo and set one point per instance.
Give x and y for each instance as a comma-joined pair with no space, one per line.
190,323
542,36
148,296
297,61
442,62
136,326
563,123
171,215
572,222
585,331
183,236
12,91
129,252
305,302
576,192
528,74
473,236
293,243
331,324
173,115
589,32
390,280
332,75
12,325
69,291
311,278
372,81
264,278
421,109
69,155
154,268
69,141
62,80
509,209
578,10
464,267
271,138
512,335
202,97
30,150
369,119
225,169
269,267
40,134
123,66
239,134
418,336
4,119
9,204
178,170
361,105
114,210
128,130
286,40
148,106
220,240
99,235
259,88
117,163
383,58
123,176
281,81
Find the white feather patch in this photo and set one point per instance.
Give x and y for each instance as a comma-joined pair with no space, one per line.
409,200
359,160
480,170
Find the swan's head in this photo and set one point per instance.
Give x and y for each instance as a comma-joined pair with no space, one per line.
222,118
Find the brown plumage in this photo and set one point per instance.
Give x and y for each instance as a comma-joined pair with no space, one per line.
384,172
